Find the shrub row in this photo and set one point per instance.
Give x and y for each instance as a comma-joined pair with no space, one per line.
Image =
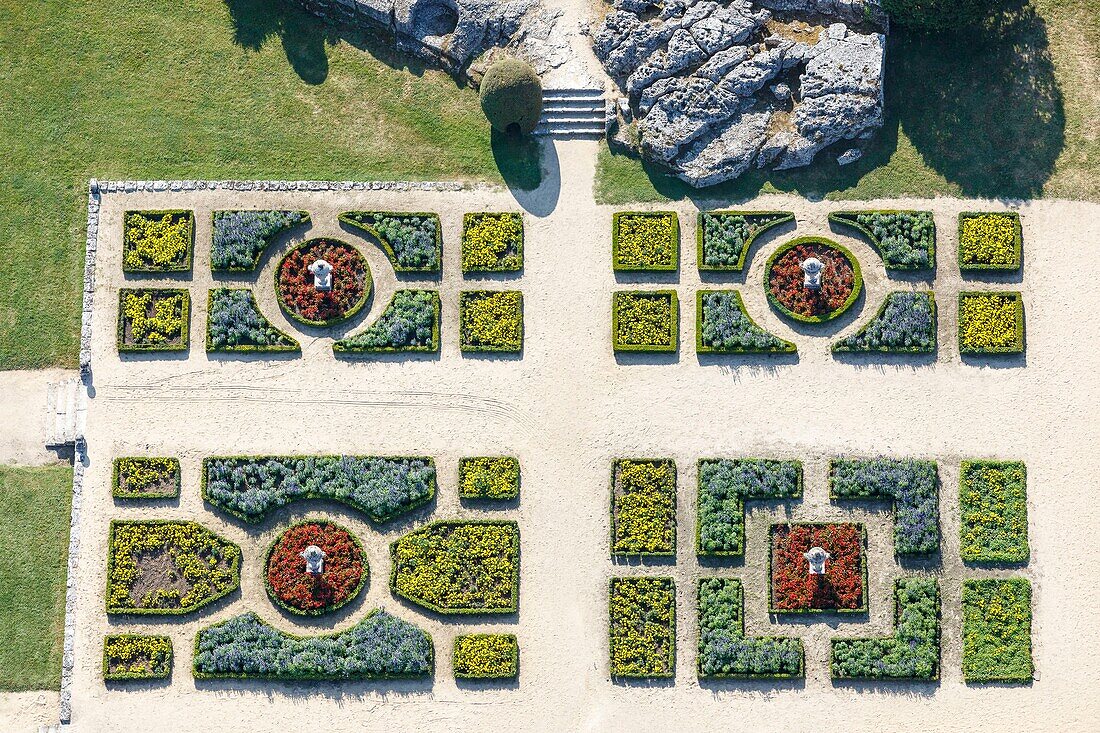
645,241
723,238
997,630
485,656
491,321
725,486
487,477
136,657
991,322
153,319
409,323
913,485
911,653
723,326
251,487
413,241
643,507
240,237
646,321
234,323
993,505
906,240
462,567
725,651
380,646
158,241
145,478
990,241
642,627
906,323
201,567
492,242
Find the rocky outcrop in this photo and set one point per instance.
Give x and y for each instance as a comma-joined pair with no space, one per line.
715,88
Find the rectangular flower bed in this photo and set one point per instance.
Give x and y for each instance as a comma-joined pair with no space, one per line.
990,241
723,238
643,507
158,241
645,241
645,320
993,505
488,478
725,651
906,240
913,485
240,237
997,630
843,586
146,478
723,326
413,241
485,657
153,319
409,323
642,627
136,657
491,321
991,322
492,242
724,487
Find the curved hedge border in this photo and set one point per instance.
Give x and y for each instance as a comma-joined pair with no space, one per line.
246,647
880,329
780,217
996,630
668,250
240,304
485,657
1017,243
643,507
1015,346
240,236
642,627
724,650
622,299
402,261
926,260
993,512
150,473
368,286
176,321
366,483
911,653
913,486
139,657
423,315
352,595
857,279
721,509
189,246
750,329
475,575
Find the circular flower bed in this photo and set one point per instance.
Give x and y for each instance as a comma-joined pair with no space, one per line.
784,279
344,571
301,301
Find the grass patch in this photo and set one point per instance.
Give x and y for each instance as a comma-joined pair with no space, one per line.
34,513
993,505
997,630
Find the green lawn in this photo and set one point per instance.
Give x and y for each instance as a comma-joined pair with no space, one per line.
199,89
34,521
1010,111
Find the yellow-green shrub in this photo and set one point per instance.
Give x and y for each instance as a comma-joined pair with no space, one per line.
642,627
647,240
488,478
492,242
643,507
146,478
486,656
991,323
136,657
989,241
645,320
491,320
157,241
153,319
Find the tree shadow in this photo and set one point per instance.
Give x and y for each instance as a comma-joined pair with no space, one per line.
519,159
303,36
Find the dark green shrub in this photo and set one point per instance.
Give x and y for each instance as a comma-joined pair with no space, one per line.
511,96
938,15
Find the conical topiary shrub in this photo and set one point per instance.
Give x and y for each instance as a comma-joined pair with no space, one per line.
511,96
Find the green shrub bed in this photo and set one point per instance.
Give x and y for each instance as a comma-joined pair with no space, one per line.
642,627
990,241
997,630
723,326
153,319
136,657
643,507
645,241
905,324
645,320
492,242
485,657
491,320
991,322
234,323
485,477
251,487
158,241
911,484
240,237
906,240
723,238
462,567
993,505
724,487
380,646
912,653
725,651
146,478
413,241
168,567
409,323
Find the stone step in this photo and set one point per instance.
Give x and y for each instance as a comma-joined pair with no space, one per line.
573,121
594,113
65,410
592,131
594,105
561,94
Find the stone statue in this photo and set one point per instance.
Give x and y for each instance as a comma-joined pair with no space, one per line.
322,275
812,267
315,559
816,556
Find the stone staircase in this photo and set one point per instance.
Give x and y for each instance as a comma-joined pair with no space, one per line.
572,113
65,411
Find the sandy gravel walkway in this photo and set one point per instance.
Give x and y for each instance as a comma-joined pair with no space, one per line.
23,419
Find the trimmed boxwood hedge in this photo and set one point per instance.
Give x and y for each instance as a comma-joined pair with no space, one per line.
643,507
412,240
234,323
136,657
168,326
642,627
240,236
996,630
491,321
996,257
724,650
409,323
857,279
658,330
379,647
488,478
904,324
984,329
723,238
485,657
145,478
492,242
723,326
993,509
724,487
133,260
906,240
913,486
657,251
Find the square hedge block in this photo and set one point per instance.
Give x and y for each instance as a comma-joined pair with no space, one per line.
491,320
990,241
645,320
991,322
645,241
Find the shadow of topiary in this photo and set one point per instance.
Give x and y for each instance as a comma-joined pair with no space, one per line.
518,157
303,36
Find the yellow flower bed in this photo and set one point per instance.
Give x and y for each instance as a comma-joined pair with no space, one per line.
643,627
993,508
153,320
157,241
492,242
134,657
643,507
485,656
645,321
491,320
989,241
146,477
488,478
991,323
646,241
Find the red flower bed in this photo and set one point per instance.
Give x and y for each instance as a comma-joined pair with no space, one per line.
351,282
343,576
842,586
786,278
